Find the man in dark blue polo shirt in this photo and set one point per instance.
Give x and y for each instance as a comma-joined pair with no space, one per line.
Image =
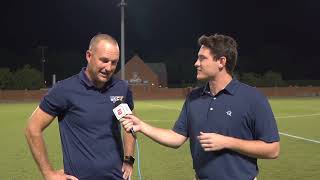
229,124
90,134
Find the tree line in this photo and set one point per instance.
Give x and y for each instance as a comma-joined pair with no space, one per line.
23,78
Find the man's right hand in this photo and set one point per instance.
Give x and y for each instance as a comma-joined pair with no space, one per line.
59,175
130,121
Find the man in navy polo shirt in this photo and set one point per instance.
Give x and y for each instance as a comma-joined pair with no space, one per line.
90,134
230,124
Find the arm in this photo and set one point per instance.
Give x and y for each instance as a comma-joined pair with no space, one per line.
252,148
165,137
128,143
255,148
39,121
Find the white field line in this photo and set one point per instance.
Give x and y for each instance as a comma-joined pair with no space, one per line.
298,137
279,117
165,107
297,116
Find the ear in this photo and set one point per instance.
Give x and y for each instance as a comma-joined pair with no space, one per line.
88,55
223,62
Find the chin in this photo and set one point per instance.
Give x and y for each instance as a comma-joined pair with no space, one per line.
104,80
200,78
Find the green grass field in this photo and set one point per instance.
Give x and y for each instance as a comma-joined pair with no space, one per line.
299,159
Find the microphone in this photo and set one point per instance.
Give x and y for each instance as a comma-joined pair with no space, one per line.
121,110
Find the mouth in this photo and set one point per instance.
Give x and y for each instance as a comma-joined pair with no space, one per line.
104,74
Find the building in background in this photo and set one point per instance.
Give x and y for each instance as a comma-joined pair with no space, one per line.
144,74
161,70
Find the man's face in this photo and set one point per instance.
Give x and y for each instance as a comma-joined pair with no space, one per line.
207,66
102,62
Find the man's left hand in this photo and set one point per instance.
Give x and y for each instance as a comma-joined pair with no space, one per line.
127,171
212,141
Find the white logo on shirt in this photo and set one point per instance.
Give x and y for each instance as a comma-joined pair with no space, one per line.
229,113
116,98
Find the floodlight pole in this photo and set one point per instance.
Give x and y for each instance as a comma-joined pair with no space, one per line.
122,4
43,61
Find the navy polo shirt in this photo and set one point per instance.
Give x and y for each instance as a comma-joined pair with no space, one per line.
238,111
90,133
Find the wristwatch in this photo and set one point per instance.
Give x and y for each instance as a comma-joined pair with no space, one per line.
128,160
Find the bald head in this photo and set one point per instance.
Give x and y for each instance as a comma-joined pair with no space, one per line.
101,37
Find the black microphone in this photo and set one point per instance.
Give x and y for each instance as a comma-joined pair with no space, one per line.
122,109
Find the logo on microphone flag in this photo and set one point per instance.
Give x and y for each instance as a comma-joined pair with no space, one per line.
119,112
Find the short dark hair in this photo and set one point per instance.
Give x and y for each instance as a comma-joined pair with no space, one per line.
221,45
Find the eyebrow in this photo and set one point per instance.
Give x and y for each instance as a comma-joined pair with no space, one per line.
201,56
107,59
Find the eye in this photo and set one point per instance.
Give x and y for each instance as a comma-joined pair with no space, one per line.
104,60
201,58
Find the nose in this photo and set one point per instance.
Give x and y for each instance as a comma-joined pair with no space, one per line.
107,67
197,63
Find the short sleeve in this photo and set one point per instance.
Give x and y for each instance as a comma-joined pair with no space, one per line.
55,102
181,125
129,99
265,123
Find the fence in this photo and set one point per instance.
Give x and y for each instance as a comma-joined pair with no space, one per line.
143,92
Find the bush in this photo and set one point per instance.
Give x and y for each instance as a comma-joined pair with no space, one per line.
28,78
252,79
268,79
5,78
272,79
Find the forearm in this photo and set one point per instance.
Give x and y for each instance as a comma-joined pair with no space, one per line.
128,143
254,148
166,137
38,150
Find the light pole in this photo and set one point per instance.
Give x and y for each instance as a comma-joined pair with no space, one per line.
43,61
122,4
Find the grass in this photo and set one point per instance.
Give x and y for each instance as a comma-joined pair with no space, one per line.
299,159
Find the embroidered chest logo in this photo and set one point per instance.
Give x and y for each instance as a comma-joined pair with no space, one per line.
229,113
116,98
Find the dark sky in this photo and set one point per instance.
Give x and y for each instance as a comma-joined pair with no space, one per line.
280,35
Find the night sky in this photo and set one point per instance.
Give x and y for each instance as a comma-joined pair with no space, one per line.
282,36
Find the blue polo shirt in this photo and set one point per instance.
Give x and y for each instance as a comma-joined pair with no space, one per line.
90,133
238,111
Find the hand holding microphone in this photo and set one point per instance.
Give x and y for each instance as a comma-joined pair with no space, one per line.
122,110
131,122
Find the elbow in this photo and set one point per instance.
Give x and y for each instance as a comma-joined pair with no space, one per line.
173,146
31,131
28,132
176,146
275,152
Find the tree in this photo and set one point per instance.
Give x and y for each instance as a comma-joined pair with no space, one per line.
27,78
273,79
5,78
251,78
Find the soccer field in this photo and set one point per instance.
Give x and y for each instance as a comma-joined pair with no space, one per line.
298,122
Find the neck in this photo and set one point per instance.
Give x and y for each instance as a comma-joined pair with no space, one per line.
219,83
91,79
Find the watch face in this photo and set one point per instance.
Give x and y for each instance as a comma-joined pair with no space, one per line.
129,159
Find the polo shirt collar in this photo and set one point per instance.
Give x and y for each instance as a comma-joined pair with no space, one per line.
230,88
86,81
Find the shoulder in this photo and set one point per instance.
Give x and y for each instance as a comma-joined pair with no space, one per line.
66,84
195,93
118,83
250,93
